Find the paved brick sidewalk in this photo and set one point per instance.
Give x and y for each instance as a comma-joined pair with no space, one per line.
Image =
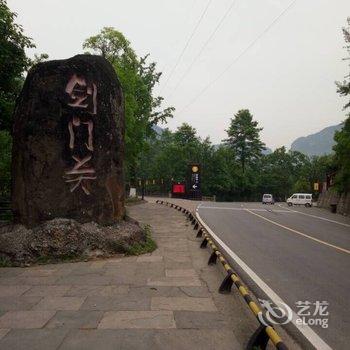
242,327
164,300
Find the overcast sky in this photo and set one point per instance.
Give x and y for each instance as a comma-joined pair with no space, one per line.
286,78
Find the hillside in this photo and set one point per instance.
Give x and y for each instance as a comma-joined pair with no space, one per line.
157,129
316,144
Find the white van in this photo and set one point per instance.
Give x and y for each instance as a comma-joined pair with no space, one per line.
268,199
300,199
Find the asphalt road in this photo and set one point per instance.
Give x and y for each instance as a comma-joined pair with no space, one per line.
302,254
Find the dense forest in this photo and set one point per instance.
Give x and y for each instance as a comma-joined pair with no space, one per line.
234,170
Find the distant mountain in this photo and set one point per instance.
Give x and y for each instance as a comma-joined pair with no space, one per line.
158,130
317,144
267,151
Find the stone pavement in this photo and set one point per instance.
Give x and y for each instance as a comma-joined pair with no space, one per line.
243,328
164,300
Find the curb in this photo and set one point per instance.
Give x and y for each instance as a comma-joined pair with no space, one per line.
264,333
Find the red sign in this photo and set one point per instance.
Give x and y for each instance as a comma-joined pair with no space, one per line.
179,188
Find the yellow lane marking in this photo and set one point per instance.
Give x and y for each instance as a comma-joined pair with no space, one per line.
300,233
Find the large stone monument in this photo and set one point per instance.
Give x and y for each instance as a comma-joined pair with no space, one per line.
68,143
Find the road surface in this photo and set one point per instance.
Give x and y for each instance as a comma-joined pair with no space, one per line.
302,254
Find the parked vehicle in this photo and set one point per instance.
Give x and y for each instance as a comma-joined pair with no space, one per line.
268,199
300,199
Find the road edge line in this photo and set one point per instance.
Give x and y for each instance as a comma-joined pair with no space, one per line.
314,339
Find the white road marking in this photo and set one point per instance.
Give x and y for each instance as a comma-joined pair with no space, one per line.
317,217
307,332
255,209
300,233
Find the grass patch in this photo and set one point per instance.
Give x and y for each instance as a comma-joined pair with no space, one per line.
5,262
72,257
148,246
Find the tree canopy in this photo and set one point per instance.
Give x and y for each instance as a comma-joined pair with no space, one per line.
342,137
138,79
343,88
13,62
281,173
243,137
342,157
234,170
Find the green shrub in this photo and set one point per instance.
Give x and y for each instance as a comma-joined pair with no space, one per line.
148,246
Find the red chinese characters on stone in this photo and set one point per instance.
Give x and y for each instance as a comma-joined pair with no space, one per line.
75,122
83,96
81,173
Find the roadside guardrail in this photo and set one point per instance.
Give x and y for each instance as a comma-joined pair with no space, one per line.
265,332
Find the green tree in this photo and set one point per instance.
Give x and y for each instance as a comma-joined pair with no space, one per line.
315,169
342,157
138,78
178,149
343,88
342,137
283,172
186,135
243,138
13,62
276,174
167,157
222,174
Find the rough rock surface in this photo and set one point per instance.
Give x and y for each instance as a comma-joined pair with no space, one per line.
59,239
69,143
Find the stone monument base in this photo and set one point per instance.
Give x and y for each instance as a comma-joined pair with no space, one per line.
66,239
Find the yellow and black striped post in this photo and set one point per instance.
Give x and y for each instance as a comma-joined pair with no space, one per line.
263,334
200,232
